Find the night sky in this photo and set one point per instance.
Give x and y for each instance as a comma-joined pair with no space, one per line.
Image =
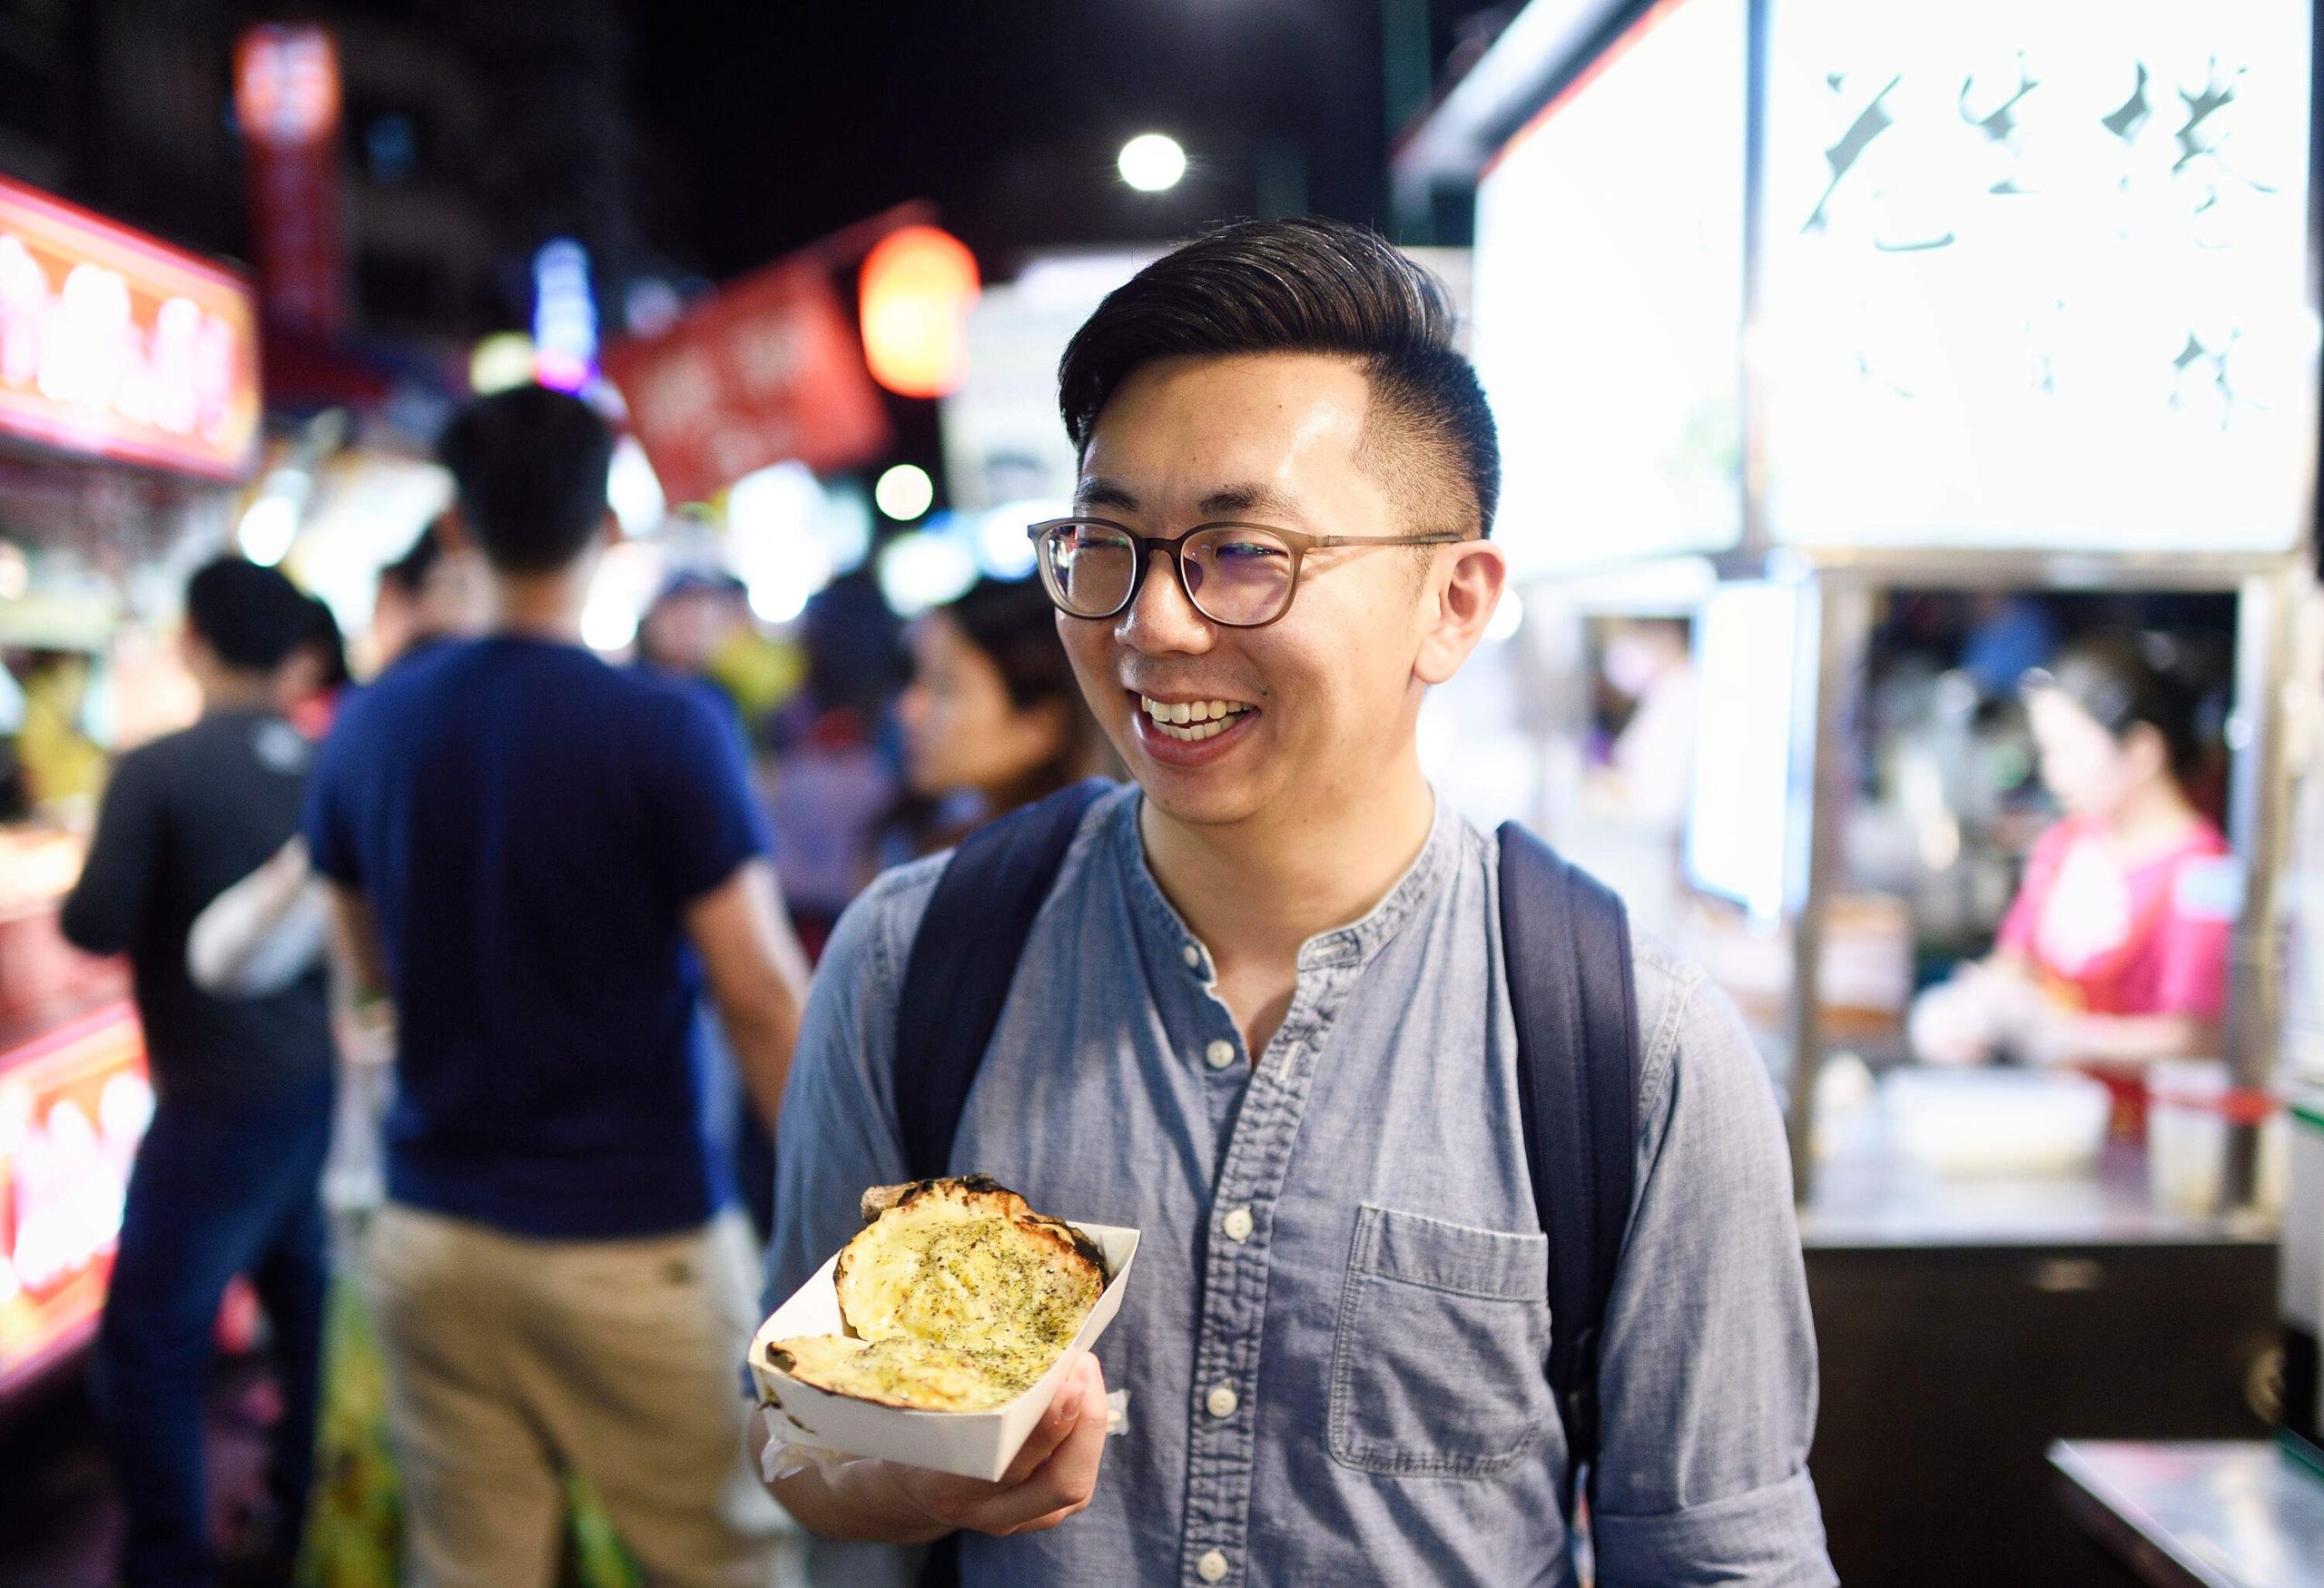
762,128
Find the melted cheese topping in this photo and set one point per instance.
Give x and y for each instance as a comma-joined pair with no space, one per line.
957,1276
902,1371
954,1303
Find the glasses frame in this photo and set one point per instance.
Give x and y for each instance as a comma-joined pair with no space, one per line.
1175,547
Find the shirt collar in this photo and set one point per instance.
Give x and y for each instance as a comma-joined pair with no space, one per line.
1163,932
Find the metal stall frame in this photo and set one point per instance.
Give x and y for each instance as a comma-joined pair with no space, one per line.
1548,44
1846,582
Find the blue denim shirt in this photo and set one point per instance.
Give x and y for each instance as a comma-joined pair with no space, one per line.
1334,1338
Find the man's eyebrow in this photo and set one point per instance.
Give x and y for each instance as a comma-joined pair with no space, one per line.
1105,493
1228,502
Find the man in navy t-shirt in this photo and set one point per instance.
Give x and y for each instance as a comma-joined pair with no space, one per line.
543,861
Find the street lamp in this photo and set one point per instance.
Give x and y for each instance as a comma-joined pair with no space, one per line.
1152,162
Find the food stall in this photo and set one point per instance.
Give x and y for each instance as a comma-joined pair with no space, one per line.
1876,312
129,410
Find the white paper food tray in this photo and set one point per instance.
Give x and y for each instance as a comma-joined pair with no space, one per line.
975,1445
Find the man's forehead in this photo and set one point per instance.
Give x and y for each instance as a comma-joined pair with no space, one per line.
1241,435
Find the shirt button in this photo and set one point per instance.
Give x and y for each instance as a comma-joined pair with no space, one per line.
1222,1400
1219,1055
1211,1567
1238,1224
1193,957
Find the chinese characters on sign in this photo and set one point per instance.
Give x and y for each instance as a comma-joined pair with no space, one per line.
2036,275
73,1107
113,345
767,371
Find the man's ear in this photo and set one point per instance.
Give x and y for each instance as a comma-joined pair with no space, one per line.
1463,591
452,531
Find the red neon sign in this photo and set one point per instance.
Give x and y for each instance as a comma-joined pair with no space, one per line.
73,1107
287,97
115,345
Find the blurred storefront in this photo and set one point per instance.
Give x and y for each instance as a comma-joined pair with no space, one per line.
129,413
1879,351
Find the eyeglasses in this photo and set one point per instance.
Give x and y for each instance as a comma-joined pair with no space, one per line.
1238,575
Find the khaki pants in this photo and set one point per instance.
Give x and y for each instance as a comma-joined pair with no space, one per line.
512,1361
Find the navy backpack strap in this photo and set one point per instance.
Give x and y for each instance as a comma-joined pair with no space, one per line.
1566,947
963,959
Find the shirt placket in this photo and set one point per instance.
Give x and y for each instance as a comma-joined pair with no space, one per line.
1223,1408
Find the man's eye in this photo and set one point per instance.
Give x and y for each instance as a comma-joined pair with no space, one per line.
1247,550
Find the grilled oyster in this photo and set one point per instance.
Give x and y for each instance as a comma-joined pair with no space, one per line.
900,1372
950,1281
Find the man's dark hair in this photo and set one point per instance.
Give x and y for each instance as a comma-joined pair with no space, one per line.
531,467
251,616
1308,286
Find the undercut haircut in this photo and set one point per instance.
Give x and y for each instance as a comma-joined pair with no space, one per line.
1310,286
251,618
531,466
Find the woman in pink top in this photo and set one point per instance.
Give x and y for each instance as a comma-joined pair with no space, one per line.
2115,951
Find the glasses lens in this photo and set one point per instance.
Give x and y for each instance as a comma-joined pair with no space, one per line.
1089,569
1239,573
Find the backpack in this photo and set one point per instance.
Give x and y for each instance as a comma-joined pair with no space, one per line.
1565,944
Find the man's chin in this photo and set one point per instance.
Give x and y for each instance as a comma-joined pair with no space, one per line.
1197,799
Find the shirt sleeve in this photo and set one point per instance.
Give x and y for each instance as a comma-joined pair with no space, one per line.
706,814
323,818
1706,1377
2195,936
106,906
839,1134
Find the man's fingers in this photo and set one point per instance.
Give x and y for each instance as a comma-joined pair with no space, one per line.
1064,1482
1065,1410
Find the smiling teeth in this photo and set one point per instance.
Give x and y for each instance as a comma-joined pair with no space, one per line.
1191,721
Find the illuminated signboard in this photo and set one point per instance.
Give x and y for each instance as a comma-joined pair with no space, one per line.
114,345
1608,283
2036,275
73,1107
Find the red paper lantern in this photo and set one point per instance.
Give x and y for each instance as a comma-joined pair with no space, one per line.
919,285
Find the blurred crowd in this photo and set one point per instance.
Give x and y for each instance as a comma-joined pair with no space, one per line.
596,885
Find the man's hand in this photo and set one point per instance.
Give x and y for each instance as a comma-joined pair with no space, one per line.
1052,1478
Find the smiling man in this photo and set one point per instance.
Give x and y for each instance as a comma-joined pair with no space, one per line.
1263,1014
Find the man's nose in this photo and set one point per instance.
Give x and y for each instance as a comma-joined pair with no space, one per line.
1162,620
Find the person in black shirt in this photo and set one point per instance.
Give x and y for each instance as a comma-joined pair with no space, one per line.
225,1179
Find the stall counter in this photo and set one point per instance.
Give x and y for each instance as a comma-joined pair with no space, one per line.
2243,1513
1964,1325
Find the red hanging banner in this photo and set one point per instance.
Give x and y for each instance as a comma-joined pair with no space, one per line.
286,96
766,370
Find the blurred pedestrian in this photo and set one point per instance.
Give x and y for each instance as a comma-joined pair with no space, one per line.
689,620
314,675
225,1179
839,769
992,718
539,858
428,594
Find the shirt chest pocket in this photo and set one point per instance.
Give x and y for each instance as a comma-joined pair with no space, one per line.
1438,1361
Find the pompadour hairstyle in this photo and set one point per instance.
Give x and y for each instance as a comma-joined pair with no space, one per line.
1308,286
